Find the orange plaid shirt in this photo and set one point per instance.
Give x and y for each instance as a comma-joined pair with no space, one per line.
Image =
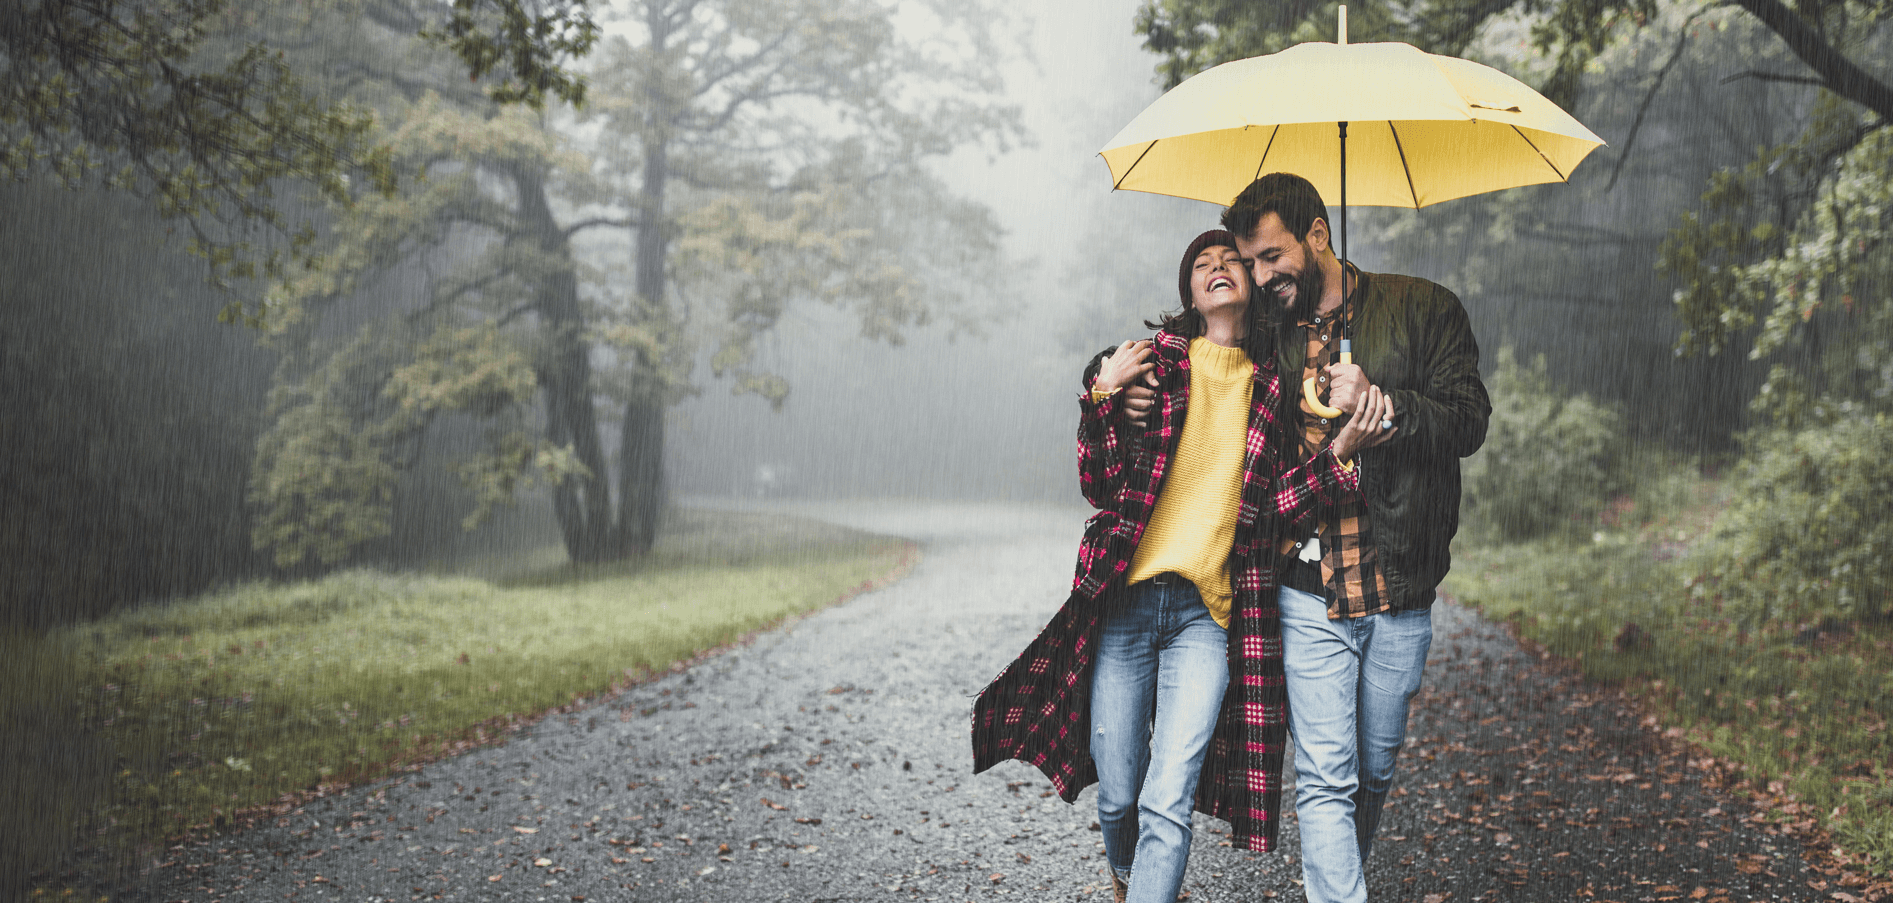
1356,587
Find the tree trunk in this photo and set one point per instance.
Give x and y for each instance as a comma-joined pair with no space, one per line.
641,449
581,504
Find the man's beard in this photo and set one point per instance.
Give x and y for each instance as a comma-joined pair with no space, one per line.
1308,288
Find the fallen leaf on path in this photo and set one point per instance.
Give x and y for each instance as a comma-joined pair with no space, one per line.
525,830
773,804
493,878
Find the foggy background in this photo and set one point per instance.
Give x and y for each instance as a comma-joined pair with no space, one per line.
992,413
975,404
877,289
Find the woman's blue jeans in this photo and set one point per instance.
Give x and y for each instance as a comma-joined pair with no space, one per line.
1162,666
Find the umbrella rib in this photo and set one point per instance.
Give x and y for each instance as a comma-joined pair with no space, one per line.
1541,155
1265,154
1404,168
1140,159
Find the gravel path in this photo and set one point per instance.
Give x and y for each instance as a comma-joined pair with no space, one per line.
828,761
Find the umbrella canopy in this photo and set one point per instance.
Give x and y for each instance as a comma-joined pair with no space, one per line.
1421,128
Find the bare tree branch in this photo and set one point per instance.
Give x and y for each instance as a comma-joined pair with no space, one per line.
1838,73
1773,77
1636,125
628,222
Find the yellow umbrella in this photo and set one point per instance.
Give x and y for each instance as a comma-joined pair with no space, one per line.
1424,129
1421,128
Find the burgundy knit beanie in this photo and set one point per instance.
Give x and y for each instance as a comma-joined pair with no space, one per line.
1212,238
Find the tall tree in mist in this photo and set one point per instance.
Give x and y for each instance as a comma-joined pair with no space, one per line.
761,153
773,151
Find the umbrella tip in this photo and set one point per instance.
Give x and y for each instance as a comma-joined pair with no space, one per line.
1343,29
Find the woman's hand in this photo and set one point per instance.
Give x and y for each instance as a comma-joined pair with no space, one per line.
1363,430
1129,363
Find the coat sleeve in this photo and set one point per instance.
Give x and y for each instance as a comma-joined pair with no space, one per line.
1317,483
1447,417
1101,463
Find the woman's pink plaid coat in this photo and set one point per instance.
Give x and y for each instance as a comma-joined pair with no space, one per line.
1038,709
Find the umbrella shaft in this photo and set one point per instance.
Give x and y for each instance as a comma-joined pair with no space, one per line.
1343,237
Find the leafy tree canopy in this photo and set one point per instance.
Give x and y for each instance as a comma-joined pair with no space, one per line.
194,104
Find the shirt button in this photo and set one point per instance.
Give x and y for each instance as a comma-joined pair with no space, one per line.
1324,338
1324,379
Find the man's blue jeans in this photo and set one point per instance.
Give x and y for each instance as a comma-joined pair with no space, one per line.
1349,684
1162,666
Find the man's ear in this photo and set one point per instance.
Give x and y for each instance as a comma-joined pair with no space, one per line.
1318,235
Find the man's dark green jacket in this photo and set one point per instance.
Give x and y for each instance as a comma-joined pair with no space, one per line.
1413,340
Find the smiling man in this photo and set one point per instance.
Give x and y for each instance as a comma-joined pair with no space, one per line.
1357,590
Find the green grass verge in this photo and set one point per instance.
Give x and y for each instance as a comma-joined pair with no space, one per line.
1799,712
206,707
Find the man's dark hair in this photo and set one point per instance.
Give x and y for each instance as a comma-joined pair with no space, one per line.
1284,194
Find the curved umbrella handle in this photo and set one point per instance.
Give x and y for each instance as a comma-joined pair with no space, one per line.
1312,397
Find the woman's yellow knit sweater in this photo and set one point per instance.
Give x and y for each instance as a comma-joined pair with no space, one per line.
1194,524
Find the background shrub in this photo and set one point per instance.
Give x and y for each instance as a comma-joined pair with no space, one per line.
1548,463
1806,533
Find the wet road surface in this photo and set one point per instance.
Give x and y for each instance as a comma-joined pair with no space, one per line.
828,761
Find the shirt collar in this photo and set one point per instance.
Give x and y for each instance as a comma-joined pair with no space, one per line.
1360,284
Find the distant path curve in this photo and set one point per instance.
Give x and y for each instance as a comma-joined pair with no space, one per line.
829,761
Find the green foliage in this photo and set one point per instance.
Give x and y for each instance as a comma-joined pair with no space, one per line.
230,700
326,469
197,106
1549,459
530,43
1194,35
1805,535
1809,282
